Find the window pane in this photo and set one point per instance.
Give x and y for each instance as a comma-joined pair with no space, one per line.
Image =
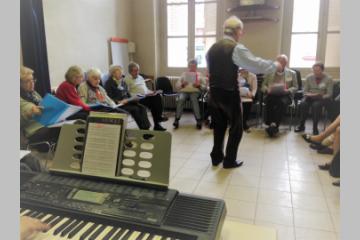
334,15
306,16
303,50
332,54
177,1
202,45
177,20
205,19
177,52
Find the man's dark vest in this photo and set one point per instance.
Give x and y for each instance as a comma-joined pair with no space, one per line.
223,72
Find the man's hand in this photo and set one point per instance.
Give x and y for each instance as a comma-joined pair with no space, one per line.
29,226
250,95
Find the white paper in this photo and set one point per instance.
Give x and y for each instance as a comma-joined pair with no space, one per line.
101,149
23,153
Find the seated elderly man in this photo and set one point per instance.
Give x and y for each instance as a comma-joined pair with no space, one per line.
118,91
318,91
190,85
279,88
151,99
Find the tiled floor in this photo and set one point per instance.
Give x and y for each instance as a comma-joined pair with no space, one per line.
279,184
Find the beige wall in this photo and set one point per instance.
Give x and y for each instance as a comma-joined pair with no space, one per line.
77,32
145,37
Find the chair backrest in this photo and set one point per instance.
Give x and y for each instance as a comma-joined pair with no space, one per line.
104,78
164,84
336,89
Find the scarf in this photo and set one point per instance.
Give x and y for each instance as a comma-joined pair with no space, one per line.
29,96
98,94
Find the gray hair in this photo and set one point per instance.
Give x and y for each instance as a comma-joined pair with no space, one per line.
24,72
114,68
231,24
192,61
93,72
133,65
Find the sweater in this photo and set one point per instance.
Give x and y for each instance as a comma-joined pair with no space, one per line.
68,93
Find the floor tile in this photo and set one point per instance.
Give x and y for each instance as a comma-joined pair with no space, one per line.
240,209
313,220
274,214
282,232
306,202
242,193
310,234
276,198
275,184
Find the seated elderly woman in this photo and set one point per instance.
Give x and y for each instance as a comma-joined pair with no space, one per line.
91,92
29,107
190,85
67,91
117,90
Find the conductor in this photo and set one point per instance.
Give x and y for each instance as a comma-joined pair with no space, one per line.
224,59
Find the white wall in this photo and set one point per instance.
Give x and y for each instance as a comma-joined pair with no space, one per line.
77,32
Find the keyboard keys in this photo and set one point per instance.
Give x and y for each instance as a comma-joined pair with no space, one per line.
89,231
134,235
119,234
62,226
110,233
81,231
25,212
97,232
76,230
70,228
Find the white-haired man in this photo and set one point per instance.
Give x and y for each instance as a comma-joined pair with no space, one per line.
224,59
279,88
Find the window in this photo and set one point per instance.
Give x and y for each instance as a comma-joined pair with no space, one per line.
315,33
191,30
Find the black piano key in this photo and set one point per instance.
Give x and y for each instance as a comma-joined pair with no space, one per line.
110,233
69,228
40,215
151,237
33,214
49,219
97,232
62,226
54,222
119,234
76,230
87,232
140,237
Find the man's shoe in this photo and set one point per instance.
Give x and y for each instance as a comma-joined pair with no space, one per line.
325,166
163,119
215,163
158,127
198,125
269,131
233,165
300,128
176,124
325,150
337,183
316,146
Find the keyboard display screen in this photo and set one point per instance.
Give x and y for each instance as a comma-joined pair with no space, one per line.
89,196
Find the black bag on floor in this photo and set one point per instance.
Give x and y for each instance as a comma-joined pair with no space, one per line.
335,166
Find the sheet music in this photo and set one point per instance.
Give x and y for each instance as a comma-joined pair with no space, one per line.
102,147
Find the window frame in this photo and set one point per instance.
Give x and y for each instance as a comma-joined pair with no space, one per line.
191,32
322,36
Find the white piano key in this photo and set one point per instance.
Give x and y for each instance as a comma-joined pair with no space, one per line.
86,227
134,235
43,219
123,235
146,236
157,237
87,238
25,212
103,233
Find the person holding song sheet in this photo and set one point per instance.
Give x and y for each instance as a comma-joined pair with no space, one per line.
117,90
190,85
150,99
29,108
278,88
